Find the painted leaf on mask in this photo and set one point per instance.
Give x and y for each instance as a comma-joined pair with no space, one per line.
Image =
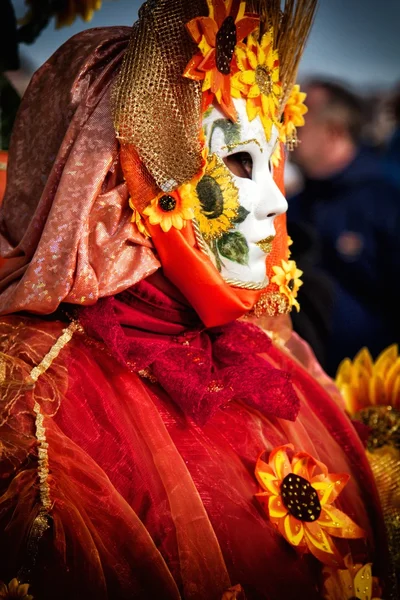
242,215
230,130
234,247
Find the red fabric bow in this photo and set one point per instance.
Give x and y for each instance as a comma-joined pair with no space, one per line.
201,369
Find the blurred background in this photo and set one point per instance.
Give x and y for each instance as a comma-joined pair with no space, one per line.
342,181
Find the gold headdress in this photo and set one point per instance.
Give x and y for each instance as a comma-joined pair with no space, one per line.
158,111
182,57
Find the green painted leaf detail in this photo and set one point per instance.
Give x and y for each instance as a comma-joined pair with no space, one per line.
242,215
233,246
230,130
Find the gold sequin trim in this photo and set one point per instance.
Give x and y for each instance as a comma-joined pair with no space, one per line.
43,459
3,166
231,147
40,369
62,341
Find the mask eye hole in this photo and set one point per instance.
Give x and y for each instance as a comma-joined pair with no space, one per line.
240,164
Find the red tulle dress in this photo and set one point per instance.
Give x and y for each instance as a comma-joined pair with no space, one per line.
154,425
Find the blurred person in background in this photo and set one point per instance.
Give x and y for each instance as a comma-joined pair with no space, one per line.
392,154
351,209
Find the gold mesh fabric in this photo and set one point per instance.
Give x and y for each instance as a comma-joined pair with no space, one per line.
154,107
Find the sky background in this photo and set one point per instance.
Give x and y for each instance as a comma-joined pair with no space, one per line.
357,41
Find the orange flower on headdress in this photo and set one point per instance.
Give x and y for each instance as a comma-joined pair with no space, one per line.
217,36
355,581
258,80
293,117
298,497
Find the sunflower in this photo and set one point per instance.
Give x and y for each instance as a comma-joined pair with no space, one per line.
217,36
14,590
293,117
169,210
287,277
258,80
215,199
355,581
65,11
365,383
138,220
299,503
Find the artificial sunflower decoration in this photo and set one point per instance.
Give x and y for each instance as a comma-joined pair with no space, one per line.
64,11
293,117
217,36
364,382
298,496
14,590
287,278
215,199
258,80
355,581
169,210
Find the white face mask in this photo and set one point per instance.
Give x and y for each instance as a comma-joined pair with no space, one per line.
239,199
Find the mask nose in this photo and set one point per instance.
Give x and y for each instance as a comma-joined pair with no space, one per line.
272,202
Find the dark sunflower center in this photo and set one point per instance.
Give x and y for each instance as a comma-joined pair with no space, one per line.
300,498
167,203
211,197
225,45
291,285
264,80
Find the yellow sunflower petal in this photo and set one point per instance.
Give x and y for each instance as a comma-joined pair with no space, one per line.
252,110
279,462
337,523
254,91
252,58
165,224
364,357
315,536
276,508
268,481
294,530
248,77
363,582
177,221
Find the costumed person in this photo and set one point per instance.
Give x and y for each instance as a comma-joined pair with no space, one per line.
153,444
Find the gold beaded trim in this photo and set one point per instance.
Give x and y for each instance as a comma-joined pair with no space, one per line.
54,351
247,285
271,304
36,372
3,166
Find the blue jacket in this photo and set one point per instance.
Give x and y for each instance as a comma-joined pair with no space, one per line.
356,218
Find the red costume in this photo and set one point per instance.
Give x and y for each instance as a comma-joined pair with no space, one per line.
130,454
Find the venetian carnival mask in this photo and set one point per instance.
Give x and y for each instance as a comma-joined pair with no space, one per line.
198,141
238,198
